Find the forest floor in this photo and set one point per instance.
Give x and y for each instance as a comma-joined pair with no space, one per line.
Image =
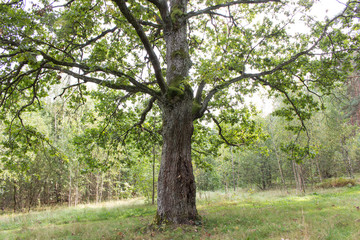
320,214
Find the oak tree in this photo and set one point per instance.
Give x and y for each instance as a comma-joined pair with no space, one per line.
194,59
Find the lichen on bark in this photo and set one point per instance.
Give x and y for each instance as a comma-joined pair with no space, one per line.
176,13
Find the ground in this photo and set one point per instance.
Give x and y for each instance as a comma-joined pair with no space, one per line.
244,214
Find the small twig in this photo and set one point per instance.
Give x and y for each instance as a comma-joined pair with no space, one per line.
221,135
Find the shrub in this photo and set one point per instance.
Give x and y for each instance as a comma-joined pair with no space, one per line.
338,182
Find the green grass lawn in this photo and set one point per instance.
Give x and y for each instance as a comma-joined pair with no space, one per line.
325,214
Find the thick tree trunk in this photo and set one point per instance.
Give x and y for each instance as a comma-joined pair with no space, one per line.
176,183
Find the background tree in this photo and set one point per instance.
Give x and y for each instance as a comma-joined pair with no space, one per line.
189,58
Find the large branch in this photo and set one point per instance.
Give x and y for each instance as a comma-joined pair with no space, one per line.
8,42
145,112
9,3
92,40
199,91
145,41
85,68
279,67
11,82
151,24
98,81
297,111
158,3
215,7
164,12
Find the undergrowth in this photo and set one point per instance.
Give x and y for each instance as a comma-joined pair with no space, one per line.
338,182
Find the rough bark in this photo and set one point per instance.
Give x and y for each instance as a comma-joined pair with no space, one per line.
176,183
177,47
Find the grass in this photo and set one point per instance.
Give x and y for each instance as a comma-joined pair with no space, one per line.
324,214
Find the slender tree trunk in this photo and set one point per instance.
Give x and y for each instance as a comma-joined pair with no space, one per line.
312,175
101,187
268,174
88,190
46,192
318,168
301,178
76,194
233,168
57,192
153,176
347,160
97,188
111,189
38,198
280,168
70,185
351,170
29,198
295,175
15,196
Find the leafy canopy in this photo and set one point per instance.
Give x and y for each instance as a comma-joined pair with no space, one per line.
235,48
